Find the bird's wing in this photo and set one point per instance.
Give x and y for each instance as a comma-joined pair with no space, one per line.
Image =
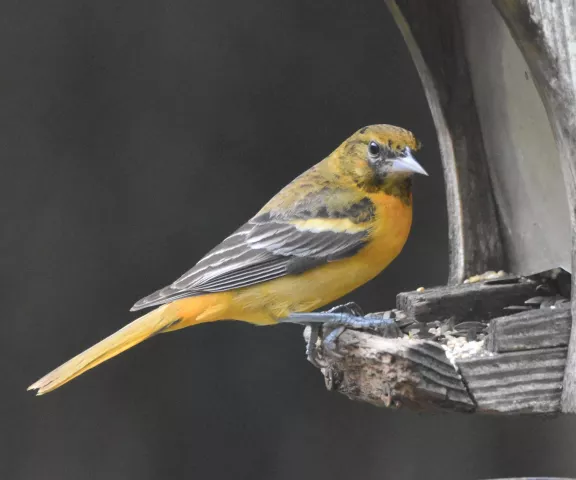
276,243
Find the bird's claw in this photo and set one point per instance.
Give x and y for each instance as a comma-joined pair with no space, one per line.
328,347
329,336
312,347
329,344
329,325
384,323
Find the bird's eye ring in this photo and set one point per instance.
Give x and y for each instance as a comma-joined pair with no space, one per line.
374,149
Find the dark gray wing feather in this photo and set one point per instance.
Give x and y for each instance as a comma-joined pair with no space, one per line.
267,247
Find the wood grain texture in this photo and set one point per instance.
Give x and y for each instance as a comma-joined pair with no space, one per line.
531,330
415,374
432,33
517,367
545,32
466,302
516,382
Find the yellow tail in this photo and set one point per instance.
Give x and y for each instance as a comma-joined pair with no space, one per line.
156,321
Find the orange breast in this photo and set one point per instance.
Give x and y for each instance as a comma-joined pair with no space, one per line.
391,228
264,303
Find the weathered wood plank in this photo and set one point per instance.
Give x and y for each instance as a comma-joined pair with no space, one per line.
517,135
455,375
531,330
470,302
417,374
545,32
395,372
433,35
516,382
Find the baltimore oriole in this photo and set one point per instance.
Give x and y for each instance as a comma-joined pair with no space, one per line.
332,229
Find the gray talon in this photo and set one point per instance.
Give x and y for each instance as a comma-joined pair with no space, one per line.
311,348
329,343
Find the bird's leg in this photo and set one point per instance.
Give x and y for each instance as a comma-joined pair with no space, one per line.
332,334
319,326
336,321
329,341
335,317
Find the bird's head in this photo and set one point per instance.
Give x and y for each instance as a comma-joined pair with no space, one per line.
379,157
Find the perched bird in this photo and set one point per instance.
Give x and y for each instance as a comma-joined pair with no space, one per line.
332,229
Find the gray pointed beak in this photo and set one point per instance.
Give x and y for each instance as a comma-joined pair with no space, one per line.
407,164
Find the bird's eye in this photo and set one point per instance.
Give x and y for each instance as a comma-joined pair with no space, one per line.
374,149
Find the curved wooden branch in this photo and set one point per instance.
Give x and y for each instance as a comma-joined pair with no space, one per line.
432,33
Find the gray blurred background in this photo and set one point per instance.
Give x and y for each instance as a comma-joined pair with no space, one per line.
135,135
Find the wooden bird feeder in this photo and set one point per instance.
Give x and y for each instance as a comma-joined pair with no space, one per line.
500,80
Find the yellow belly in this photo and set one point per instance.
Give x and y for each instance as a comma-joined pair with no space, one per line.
266,302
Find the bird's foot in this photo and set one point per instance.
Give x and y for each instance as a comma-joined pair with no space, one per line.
312,346
329,325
